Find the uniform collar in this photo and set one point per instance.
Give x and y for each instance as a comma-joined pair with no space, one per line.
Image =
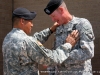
70,24
18,30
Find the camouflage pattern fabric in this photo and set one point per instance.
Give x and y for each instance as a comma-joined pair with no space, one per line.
79,60
23,53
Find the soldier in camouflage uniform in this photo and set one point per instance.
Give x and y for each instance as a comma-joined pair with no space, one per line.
23,53
79,60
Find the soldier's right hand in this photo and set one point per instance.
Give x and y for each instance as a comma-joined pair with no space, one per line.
73,37
53,28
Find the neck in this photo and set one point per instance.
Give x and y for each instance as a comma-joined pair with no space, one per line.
68,17
17,26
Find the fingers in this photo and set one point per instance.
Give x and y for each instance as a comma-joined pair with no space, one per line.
77,38
74,34
73,38
53,28
56,24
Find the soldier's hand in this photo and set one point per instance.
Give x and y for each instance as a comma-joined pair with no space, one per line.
53,28
73,37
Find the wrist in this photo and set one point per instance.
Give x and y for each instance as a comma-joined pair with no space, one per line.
51,30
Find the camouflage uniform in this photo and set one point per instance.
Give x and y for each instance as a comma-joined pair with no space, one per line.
22,53
79,60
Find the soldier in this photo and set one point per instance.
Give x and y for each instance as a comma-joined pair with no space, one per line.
23,53
79,60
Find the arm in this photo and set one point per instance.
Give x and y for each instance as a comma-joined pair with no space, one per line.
43,35
32,51
84,49
42,55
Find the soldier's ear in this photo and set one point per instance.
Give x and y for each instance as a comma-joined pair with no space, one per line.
22,21
61,10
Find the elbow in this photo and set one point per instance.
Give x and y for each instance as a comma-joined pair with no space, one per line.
90,55
91,51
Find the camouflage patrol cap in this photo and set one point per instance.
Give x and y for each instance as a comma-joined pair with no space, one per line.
52,6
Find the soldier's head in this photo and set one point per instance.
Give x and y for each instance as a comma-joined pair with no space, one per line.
22,19
58,12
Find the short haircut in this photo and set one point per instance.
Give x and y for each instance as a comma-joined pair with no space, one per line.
63,5
15,20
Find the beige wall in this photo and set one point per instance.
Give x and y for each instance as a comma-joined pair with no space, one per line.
89,9
5,24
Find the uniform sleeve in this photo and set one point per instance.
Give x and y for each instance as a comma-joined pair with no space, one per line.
44,56
84,49
43,35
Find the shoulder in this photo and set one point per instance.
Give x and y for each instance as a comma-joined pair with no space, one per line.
84,24
85,29
82,20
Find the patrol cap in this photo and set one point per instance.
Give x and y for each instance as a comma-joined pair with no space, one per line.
52,6
23,13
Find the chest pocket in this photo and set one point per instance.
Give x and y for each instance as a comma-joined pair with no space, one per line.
59,32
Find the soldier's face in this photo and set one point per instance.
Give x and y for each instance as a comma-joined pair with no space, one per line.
57,16
28,24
